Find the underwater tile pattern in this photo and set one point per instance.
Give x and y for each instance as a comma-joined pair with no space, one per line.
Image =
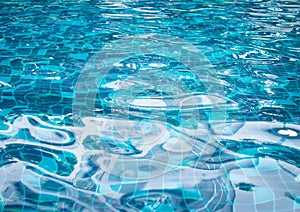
149,105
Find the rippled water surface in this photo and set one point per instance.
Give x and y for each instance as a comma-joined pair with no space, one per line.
150,105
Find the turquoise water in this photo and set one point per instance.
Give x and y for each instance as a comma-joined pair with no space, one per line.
149,105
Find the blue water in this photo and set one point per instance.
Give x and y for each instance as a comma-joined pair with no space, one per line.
150,105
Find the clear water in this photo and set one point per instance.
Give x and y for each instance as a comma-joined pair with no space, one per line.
150,105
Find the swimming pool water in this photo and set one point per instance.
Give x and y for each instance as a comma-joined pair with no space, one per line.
149,105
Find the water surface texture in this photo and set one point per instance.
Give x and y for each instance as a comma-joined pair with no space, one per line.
150,105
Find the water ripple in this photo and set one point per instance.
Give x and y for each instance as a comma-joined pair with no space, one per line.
159,135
